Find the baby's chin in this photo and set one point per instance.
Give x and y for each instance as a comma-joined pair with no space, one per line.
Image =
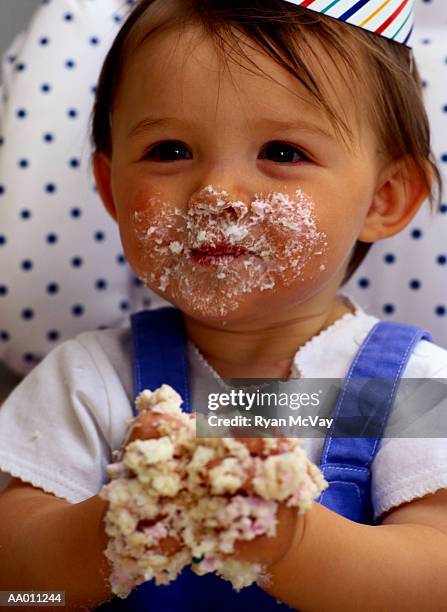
249,311
235,295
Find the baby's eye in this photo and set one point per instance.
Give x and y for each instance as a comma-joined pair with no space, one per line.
283,152
167,151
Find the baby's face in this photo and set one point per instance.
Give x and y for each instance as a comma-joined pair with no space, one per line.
234,197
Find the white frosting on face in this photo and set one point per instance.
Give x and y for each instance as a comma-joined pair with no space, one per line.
279,236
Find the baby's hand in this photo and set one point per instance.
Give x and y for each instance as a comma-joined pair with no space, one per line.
271,549
149,425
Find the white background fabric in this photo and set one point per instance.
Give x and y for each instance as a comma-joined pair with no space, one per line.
61,265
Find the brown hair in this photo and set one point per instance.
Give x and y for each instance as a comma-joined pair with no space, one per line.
288,33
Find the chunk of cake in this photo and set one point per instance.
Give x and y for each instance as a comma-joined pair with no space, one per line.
180,500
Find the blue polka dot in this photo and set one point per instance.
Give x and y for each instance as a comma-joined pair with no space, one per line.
77,310
4,336
76,262
117,18
102,327
21,113
50,187
441,259
53,335
363,282
27,314
94,188
99,236
20,67
68,17
389,258
415,283
2,141
27,265
147,302
70,64
93,89
25,214
124,305
388,308
416,233
101,284
94,40
3,290
45,88
12,58
48,137
75,213
52,238
74,163
72,113
23,163
444,158
440,311
137,282
2,189
3,240
426,41
443,208
29,357
44,40
52,288
121,260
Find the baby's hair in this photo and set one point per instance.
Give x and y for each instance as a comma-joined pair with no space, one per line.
381,73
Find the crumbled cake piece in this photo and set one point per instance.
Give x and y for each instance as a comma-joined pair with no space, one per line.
179,500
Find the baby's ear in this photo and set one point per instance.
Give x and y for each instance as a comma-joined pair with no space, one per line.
401,189
102,172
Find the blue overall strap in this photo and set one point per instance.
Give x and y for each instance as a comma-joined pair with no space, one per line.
346,462
159,345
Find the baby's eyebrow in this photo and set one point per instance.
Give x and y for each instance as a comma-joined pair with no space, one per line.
297,124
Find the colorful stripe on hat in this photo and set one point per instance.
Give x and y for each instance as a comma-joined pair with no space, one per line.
390,18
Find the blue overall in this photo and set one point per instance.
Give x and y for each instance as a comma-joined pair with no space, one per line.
159,341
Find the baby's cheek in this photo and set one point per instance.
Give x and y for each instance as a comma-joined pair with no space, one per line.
293,240
147,227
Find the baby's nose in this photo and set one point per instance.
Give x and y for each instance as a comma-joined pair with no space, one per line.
213,201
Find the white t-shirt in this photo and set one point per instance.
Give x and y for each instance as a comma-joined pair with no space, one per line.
59,427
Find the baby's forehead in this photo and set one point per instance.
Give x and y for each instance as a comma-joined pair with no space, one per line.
324,84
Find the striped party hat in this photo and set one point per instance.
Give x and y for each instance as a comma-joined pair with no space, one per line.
390,18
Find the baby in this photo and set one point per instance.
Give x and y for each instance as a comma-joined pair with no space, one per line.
305,140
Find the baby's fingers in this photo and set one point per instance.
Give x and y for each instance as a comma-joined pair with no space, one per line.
150,425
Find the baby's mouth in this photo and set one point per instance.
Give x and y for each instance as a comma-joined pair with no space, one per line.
217,254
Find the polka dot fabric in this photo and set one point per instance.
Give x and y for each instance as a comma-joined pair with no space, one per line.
62,270
404,278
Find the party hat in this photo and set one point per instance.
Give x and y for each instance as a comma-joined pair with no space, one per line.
390,18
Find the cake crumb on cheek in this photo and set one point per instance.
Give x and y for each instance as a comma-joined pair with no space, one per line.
219,249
